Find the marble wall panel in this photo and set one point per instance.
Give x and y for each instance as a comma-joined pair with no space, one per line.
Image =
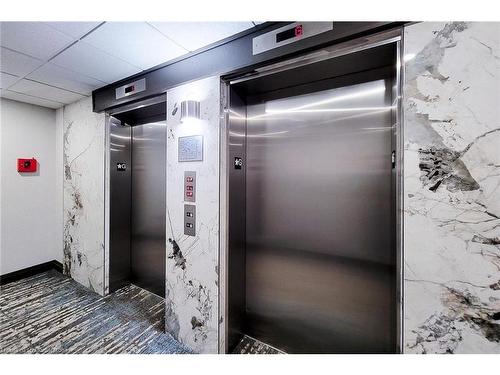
83,203
452,188
192,269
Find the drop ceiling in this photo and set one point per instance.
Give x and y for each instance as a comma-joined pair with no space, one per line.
56,63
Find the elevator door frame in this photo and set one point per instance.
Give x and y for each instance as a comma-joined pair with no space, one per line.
394,37
109,116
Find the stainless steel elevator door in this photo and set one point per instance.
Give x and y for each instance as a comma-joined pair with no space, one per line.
119,206
148,206
319,261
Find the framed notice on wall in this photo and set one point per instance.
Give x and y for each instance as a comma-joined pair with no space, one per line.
190,148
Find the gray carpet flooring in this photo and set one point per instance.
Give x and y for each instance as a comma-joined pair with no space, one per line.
249,345
51,313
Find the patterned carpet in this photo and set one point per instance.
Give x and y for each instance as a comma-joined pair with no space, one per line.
249,345
50,313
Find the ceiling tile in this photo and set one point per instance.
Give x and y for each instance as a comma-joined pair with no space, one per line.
92,62
66,79
33,38
135,42
45,91
195,35
16,63
7,80
29,99
74,29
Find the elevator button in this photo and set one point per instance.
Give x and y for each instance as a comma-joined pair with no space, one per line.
189,186
190,219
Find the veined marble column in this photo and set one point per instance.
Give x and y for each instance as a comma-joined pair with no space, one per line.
83,156
192,274
452,187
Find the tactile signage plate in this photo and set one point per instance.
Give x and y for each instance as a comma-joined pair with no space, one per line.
238,162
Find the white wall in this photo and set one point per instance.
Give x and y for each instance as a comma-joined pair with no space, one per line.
31,204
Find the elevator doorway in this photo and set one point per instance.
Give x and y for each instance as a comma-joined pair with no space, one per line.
137,170
312,261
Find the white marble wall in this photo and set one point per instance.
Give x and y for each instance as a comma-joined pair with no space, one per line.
192,274
83,156
452,188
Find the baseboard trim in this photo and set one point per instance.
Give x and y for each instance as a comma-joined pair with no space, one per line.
30,271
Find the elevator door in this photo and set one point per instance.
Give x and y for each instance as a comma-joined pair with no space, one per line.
137,141
319,260
148,206
120,147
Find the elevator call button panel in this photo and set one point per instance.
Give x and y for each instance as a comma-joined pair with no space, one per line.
189,186
189,219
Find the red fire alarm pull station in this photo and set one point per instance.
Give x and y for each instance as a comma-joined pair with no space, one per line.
26,165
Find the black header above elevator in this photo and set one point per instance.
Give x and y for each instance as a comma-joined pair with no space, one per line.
143,115
327,73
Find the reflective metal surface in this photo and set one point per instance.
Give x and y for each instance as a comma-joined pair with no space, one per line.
119,204
318,226
236,211
318,215
137,197
148,206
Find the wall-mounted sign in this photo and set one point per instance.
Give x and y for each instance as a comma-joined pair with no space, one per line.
190,148
238,163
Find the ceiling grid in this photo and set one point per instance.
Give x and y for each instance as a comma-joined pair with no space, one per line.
56,63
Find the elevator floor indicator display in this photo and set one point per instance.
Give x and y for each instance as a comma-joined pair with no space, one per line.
121,167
